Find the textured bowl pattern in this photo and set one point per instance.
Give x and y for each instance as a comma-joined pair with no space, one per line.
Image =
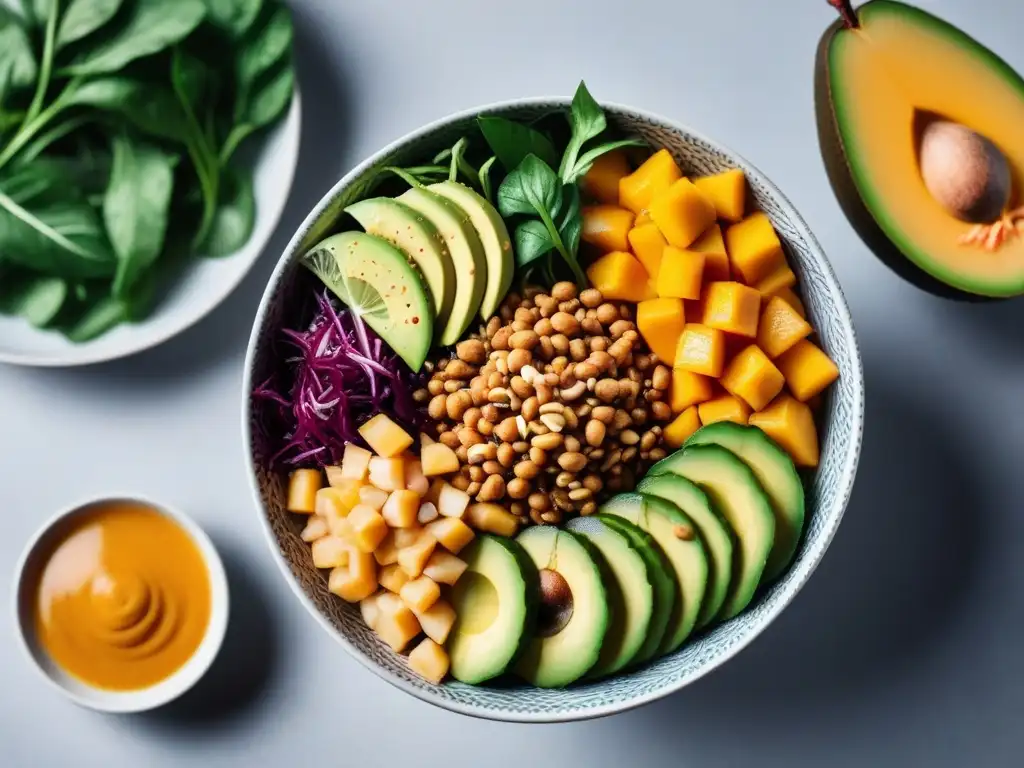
828,490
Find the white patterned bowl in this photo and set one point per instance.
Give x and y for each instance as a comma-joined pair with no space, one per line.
841,417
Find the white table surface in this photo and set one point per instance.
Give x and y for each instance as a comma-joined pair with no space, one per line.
904,649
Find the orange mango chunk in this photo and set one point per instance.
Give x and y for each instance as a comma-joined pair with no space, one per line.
618,275
694,311
680,273
789,296
689,389
661,323
607,227
682,213
754,249
732,307
644,217
684,425
727,192
647,243
725,407
657,173
780,327
751,376
701,350
781,277
807,369
716,259
601,182
790,424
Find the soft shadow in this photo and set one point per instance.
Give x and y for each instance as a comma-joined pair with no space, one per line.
994,327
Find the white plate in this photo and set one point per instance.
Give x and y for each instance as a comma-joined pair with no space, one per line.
204,284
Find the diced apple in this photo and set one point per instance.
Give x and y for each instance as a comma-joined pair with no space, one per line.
438,459
357,580
396,623
392,578
406,537
386,552
437,621
451,502
401,508
385,437
451,533
420,593
302,488
335,501
316,528
330,552
429,660
415,480
369,610
492,518
387,474
355,462
427,513
372,496
443,567
368,528
411,559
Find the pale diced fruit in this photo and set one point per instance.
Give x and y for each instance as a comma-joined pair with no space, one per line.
334,475
387,474
426,439
357,580
384,436
413,558
372,497
438,459
434,494
443,567
420,593
369,610
492,518
386,552
339,526
437,621
429,660
316,528
368,528
392,578
406,537
415,480
333,502
451,533
451,502
302,488
427,513
330,552
401,508
355,462
396,623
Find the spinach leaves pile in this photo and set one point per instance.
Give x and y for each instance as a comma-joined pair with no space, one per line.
119,125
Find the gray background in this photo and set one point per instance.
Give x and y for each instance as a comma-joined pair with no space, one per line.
905,647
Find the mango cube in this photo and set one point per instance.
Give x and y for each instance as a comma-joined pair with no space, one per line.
655,174
387,474
680,429
386,552
369,610
451,533
789,296
807,369
368,528
337,501
732,307
754,248
780,327
302,488
429,660
316,528
780,277
415,480
716,259
601,182
619,276
443,567
438,459
682,213
661,323
393,578
689,389
648,243
607,227
701,350
372,496
437,621
401,508
406,537
354,463
681,273
451,502
420,593
723,408
385,437
356,580
492,518
751,376
727,192
396,623
413,558
330,552
790,423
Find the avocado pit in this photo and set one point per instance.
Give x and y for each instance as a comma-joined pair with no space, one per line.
556,603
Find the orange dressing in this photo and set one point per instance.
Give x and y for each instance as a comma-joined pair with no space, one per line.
124,597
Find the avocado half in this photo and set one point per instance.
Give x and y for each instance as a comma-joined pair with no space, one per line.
867,116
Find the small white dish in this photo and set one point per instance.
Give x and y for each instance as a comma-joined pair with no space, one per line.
204,284
142,699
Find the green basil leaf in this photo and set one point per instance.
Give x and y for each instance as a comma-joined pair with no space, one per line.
588,121
264,45
235,217
16,51
233,16
83,17
570,227
511,141
587,158
34,297
532,241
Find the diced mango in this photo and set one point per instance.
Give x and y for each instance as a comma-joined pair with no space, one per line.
302,488
356,580
434,493
393,578
451,502
355,463
751,376
701,350
607,227
369,610
413,559
386,552
406,537
790,423
368,528
444,568
387,474
427,513
438,459
396,623
789,296
429,660
451,533
684,425
437,621
492,518
334,474
415,480
426,439
716,259
601,182
694,311
401,508
648,243
644,217
689,389
780,327
754,248
657,173
316,528
372,496
808,370
727,192
420,593
337,501
780,277
682,213
724,407
619,276
680,274
732,307
330,552
385,437
661,322
339,525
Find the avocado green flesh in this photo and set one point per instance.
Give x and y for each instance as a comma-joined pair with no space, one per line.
495,609
777,475
630,595
494,238
374,279
467,254
419,239
735,492
662,579
562,658
715,534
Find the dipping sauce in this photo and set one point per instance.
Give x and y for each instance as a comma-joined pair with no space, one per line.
124,597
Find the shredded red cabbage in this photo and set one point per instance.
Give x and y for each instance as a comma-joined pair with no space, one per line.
342,375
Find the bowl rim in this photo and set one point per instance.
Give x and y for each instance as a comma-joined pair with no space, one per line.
813,558
179,681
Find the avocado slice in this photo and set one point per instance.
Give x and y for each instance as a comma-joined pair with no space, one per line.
495,606
467,254
419,239
494,237
880,70
376,281
570,629
735,492
777,475
678,537
630,594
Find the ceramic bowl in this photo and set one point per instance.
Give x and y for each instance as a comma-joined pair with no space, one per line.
26,579
828,491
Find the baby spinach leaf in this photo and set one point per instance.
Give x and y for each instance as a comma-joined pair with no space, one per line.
485,178
233,16
235,217
37,298
152,108
532,189
262,47
588,121
532,241
268,99
83,17
511,141
103,315
587,159
16,51
570,226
